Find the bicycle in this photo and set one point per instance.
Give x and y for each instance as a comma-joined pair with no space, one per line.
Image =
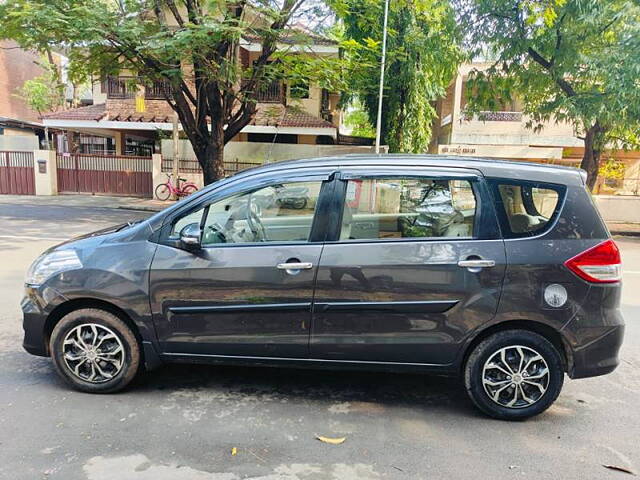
165,190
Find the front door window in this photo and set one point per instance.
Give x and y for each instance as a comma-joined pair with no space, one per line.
278,213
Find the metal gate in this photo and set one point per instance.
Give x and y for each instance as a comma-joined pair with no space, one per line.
106,174
17,176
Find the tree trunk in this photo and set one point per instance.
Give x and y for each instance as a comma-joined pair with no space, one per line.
208,145
47,143
593,142
74,142
211,159
75,100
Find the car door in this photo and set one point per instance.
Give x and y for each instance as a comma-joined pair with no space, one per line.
415,263
247,291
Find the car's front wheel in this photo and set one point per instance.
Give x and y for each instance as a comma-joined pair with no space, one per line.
514,374
94,351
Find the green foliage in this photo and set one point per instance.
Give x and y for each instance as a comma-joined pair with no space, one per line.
44,93
423,55
299,90
193,46
612,169
567,60
358,120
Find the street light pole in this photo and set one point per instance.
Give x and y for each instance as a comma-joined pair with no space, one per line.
382,64
176,152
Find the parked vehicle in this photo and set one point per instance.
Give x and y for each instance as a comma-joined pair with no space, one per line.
164,191
292,196
502,273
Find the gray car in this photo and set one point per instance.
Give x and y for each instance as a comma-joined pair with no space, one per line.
502,273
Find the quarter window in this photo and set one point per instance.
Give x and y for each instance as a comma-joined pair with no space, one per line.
527,208
395,208
277,213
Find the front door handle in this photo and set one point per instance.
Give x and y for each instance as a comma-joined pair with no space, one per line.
476,263
295,266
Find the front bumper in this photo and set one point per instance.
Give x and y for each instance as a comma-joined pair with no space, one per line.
33,324
599,356
36,307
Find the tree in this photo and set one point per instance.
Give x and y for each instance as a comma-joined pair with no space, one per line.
423,55
568,60
44,93
191,45
358,120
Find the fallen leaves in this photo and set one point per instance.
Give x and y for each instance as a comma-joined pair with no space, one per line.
619,469
332,441
234,451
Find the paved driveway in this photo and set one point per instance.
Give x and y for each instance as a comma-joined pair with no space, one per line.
182,422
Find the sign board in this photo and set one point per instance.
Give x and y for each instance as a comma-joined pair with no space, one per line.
501,151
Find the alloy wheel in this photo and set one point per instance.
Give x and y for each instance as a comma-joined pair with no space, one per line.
93,353
515,376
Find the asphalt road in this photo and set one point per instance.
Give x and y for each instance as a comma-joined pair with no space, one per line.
182,422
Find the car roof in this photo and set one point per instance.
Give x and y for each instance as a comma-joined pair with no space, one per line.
488,167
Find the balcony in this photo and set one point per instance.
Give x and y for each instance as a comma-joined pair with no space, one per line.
270,93
508,128
127,88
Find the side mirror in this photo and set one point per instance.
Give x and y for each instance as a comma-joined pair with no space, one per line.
190,235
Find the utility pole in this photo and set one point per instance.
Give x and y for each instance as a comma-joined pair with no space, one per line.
176,152
382,65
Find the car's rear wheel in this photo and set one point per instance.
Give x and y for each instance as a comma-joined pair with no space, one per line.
94,351
514,374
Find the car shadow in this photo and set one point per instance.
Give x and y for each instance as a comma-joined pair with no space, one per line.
314,385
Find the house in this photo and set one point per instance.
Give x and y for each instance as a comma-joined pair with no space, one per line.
500,134
124,121
505,134
19,125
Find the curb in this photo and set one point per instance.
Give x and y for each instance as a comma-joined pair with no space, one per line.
141,208
625,233
626,229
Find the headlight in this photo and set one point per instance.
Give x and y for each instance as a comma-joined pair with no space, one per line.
52,263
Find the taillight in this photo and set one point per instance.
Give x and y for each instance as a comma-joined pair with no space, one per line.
599,264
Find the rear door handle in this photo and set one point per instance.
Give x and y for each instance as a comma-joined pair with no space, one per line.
476,263
295,266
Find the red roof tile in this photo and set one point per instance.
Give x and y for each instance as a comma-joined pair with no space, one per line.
268,114
277,115
90,112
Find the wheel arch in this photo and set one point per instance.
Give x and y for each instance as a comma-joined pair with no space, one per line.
542,329
69,306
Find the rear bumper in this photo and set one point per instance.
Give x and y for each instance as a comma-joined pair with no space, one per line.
599,356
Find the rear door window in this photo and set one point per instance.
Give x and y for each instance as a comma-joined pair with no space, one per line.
526,208
400,208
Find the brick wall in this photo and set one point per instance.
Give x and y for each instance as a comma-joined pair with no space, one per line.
16,66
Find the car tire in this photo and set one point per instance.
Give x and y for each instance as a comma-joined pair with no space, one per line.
521,389
94,351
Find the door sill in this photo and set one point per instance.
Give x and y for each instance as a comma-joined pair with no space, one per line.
305,362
